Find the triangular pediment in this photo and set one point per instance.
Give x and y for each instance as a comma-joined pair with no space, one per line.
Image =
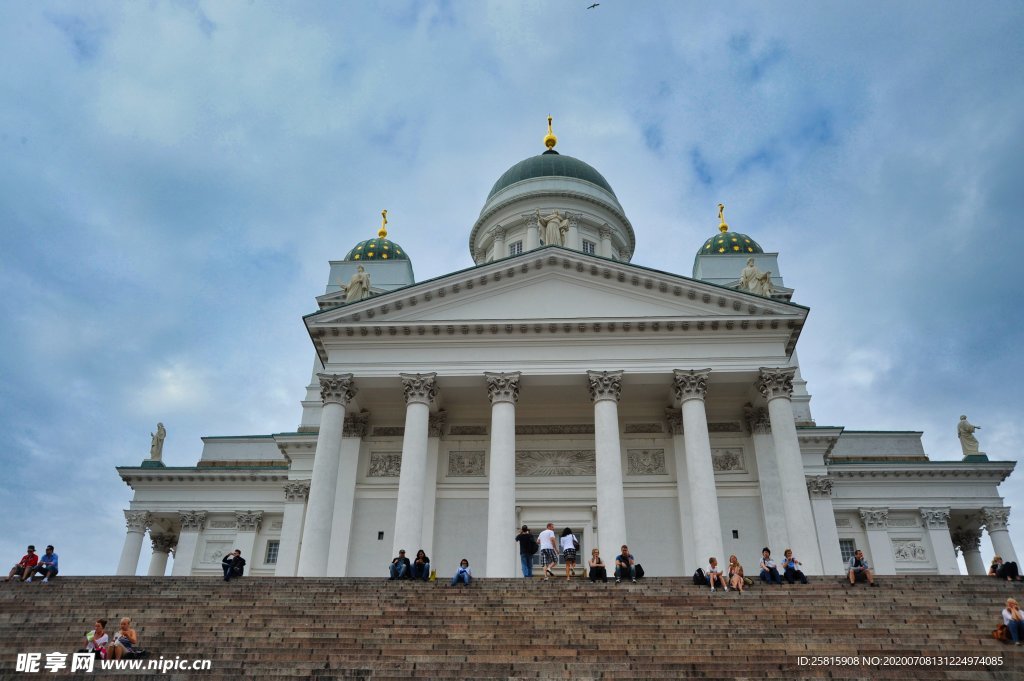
554,284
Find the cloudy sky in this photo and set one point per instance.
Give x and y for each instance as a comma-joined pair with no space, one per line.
174,177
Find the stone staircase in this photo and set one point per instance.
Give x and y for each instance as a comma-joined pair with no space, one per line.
660,628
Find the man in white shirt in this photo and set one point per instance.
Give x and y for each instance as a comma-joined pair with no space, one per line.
548,550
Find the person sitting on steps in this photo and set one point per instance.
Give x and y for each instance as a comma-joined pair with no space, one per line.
126,640
625,565
1004,570
400,567
463,575
792,568
715,574
859,570
1013,618
421,566
598,570
233,564
769,571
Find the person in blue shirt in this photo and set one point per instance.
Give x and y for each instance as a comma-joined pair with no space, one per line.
792,566
463,575
47,566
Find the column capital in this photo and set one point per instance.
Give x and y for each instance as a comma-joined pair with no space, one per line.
819,486
691,384
605,231
163,543
776,382
935,518
356,425
420,388
966,540
502,386
296,490
757,419
337,388
532,222
996,518
499,233
192,520
138,521
605,385
436,423
675,420
874,518
248,521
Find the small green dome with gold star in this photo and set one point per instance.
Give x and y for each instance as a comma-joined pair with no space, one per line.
380,248
728,243
377,249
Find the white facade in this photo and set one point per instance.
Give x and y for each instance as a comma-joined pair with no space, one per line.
557,385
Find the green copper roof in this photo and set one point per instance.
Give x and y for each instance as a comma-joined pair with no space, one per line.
550,164
729,243
377,249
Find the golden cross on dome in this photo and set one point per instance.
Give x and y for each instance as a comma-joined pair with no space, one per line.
383,233
549,139
722,227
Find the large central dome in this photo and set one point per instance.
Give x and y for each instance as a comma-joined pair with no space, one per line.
550,164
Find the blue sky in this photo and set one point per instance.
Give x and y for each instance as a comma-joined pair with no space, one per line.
174,177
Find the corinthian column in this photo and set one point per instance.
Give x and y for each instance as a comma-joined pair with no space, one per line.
192,524
776,385
690,388
936,520
969,543
996,520
163,544
295,494
675,424
605,387
336,391
420,392
503,391
819,488
353,432
137,523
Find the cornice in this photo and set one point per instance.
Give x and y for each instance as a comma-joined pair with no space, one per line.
133,476
996,471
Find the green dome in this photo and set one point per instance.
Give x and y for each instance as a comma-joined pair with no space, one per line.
729,243
377,249
550,164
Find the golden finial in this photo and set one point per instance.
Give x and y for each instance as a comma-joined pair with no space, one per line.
722,227
383,232
549,139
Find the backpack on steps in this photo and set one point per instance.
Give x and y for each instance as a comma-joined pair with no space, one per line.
698,577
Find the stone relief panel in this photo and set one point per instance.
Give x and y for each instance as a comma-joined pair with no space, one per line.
548,462
644,428
465,464
214,551
843,522
646,461
384,465
909,551
467,430
564,429
728,460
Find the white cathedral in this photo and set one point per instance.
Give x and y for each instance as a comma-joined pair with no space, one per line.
556,381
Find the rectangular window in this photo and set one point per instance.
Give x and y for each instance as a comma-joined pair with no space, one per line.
589,247
515,248
847,547
272,546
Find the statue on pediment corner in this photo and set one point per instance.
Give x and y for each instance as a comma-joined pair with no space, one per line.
965,431
754,280
156,445
358,287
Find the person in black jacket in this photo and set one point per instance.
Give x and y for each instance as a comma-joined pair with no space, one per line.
233,564
400,567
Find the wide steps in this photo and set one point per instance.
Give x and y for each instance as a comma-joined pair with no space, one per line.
661,628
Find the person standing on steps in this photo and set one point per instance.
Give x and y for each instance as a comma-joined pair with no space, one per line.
548,550
569,546
527,547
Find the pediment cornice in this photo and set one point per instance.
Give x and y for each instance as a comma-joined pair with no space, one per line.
700,307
